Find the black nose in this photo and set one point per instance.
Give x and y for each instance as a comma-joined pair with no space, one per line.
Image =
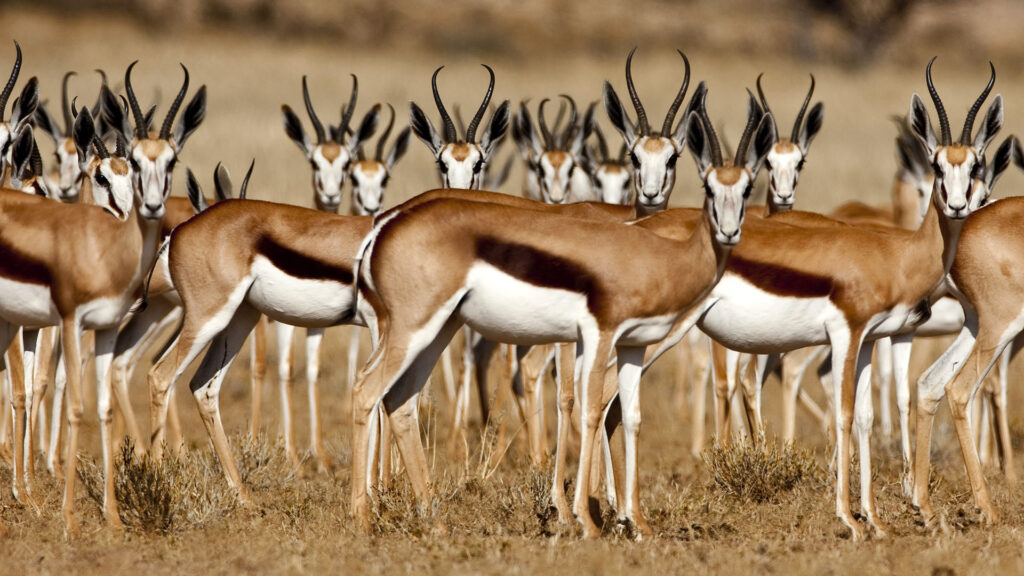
152,207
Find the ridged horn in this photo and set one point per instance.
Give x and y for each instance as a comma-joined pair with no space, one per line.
643,126
141,128
947,139
318,127
471,131
803,110
965,137
449,126
670,117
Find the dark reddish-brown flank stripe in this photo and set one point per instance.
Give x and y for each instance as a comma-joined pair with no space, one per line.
301,265
539,268
19,267
780,280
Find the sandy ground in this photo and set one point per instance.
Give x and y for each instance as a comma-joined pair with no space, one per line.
500,524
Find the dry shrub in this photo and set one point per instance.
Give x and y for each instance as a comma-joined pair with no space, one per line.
759,471
157,497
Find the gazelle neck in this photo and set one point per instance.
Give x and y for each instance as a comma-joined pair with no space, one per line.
935,242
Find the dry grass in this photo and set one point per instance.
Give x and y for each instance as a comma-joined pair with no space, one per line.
761,471
488,517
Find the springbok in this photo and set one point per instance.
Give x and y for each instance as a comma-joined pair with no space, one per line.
554,160
21,112
613,182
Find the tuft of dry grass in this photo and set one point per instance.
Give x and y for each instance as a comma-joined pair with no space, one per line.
759,471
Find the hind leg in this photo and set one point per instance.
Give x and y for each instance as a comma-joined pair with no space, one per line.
105,341
257,374
314,338
60,379
285,334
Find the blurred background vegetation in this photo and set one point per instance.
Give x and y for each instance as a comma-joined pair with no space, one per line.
844,32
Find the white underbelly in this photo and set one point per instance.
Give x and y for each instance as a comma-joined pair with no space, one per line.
103,313
505,309
25,304
646,331
747,319
298,301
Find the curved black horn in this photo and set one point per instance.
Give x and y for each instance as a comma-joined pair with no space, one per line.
471,131
803,110
947,139
570,128
965,137
544,130
245,181
641,114
449,127
11,81
716,148
120,146
350,109
165,130
65,106
666,128
384,136
141,127
748,131
317,126
101,149
764,101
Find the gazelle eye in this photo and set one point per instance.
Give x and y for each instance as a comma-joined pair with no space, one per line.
102,181
442,166
635,160
672,160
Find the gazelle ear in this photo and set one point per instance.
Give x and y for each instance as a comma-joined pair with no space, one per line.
921,125
811,127
83,133
195,192
25,106
222,186
697,142
496,129
21,151
682,128
424,129
764,139
366,129
990,127
113,113
1000,162
580,135
48,124
191,118
525,135
1018,154
398,148
618,115
293,128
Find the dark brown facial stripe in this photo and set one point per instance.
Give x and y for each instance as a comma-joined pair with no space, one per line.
539,268
21,268
779,280
301,265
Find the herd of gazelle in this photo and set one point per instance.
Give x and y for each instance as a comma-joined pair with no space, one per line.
590,260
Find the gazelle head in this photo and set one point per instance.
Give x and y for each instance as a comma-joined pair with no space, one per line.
1008,151
787,156
914,176
26,163
610,175
370,177
956,165
653,154
111,175
22,110
552,159
153,155
462,162
727,184
71,177
330,158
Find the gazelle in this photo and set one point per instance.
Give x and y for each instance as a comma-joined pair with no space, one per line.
613,182
21,112
554,160
653,154
70,176
370,177
332,156
561,292
790,286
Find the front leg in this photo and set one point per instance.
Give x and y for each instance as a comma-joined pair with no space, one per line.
845,343
863,420
105,340
596,348
901,347
314,339
630,366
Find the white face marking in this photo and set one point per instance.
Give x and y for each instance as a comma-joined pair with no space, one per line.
979,195
114,192
153,178
71,176
506,309
298,301
329,177
654,169
555,181
953,183
783,174
465,174
368,188
613,184
728,206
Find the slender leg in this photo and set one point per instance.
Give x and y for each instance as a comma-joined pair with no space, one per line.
845,345
594,365
483,350
794,365
529,379
929,392
564,358
257,374
36,417
353,355
1000,423
23,422
900,351
285,333
723,393
863,420
57,419
884,360
105,341
19,372
630,365
208,379
698,390
71,338
314,338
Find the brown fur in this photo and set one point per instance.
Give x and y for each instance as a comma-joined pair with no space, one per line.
460,151
330,151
